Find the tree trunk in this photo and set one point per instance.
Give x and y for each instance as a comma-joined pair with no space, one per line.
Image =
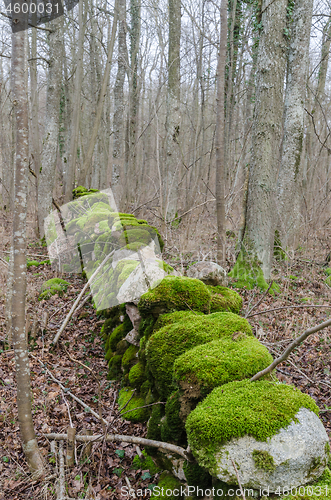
34,127
75,121
288,195
118,124
20,100
220,139
173,119
98,115
267,130
52,120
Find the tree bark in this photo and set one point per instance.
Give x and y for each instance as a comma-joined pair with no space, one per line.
173,119
267,130
20,101
220,138
118,124
288,195
98,115
75,121
52,120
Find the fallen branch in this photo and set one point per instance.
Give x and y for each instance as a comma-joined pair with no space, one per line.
70,313
166,447
238,478
288,307
290,348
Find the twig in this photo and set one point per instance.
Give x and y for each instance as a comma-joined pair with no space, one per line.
4,262
167,447
290,348
82,304
70,313
287,307
197,206
259,302
241,488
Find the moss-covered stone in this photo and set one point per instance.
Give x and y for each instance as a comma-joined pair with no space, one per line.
154,423
224,299
168,487
170,342
126,271
129,358
218,362
175,293
137,375
117,335
114,366
51,287
172,428
174,317
133,411
145,463
259,409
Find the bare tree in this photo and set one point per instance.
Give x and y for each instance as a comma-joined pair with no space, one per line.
20,101
52,120
288,188
220,138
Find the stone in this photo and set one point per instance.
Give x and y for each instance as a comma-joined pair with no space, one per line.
295,456
133,337
140,281
133,312
208,272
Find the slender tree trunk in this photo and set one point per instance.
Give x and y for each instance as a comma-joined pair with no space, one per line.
75,121
20,100
288,195
118,123
173,119
35,136
52,120
267,130
98,115
220,138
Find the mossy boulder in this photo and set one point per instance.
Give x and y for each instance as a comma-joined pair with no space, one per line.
259,413
170,342
224,299
317,490
201,369
172,427
51,287
131,409
137,375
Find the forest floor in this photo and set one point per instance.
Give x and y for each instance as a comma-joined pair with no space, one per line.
78,363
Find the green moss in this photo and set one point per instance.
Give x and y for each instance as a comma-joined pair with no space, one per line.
263,460
114,366
133,236
134,411
145,463
146,326
259,409
145,391
170,342
247,273
122,346
196,475
137,375
129,358
176,293
173,429
221,361
125,273
328,281
166,267
168,487
30,263
175,317
154,423
109,354
117,335
224,299
51,287
328,271
318,490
